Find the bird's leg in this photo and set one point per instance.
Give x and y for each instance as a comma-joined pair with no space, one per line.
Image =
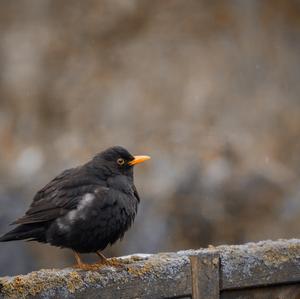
82,265
102,256
110,262
78,259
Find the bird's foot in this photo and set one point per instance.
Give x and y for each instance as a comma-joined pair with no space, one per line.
112,262
88,267
83,266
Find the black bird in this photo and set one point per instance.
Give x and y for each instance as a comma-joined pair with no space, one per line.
84,208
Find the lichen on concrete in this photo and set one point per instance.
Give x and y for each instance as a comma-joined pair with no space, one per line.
253,259
49,283
41,281
168,274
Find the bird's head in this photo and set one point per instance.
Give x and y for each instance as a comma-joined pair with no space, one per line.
118,160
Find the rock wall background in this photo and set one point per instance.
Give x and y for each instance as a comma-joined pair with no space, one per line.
209,89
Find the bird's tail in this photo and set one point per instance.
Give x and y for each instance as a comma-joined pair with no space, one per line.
25,231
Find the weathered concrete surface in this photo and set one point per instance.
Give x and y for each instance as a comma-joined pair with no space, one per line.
164,275
205,269
258,264
150,277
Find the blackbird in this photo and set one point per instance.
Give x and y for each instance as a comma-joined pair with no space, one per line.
84,208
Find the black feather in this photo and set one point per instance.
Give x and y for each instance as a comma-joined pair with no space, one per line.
25,231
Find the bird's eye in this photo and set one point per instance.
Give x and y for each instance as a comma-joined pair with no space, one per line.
121,161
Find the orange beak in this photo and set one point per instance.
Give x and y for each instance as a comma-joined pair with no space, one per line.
138,159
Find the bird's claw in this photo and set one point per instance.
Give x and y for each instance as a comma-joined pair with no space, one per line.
113,262
87,267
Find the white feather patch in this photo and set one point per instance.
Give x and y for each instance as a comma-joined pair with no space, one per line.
86,201
64,223
62,226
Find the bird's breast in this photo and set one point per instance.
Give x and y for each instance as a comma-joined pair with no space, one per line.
97,221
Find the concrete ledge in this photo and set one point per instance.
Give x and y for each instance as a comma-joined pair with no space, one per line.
165,275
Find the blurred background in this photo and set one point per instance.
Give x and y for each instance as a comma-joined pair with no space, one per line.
209,89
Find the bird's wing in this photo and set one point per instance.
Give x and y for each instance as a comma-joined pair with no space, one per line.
60,196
